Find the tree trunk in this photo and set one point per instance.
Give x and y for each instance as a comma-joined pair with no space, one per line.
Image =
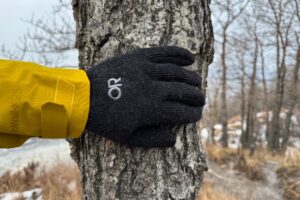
265,90
110,171
224,117
282,34
293,100
243,103
249,139
213,113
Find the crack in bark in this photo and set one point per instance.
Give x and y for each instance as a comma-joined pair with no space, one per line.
119,184
104,40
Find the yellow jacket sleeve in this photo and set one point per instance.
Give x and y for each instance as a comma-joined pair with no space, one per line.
37,101
10,140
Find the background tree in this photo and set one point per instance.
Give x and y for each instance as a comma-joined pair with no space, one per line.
260,50
279,19
293,96
227,12
292,90
105,28
252,42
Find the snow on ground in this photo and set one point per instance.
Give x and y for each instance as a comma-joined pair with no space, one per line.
204,135
235,132
44,151
295,141
35,194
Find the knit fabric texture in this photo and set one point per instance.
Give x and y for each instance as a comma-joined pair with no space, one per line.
136,98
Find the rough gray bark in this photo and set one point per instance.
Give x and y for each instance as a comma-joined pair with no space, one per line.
108,27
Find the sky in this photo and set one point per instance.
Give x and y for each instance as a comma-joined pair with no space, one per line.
12,26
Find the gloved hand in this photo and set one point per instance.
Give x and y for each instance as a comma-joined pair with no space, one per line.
135,97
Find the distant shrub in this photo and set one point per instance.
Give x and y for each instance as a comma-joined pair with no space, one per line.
290,179
252,166
62,182
208,192
221,155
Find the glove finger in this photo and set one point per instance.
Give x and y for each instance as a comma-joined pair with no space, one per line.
150,137
182,93
167,54
171,72
174,113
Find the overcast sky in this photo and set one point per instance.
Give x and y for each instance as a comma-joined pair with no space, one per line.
11,14
12,26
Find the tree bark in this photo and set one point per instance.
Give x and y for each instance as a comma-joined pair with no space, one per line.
108,27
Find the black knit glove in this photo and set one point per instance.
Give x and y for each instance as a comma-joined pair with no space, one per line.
135,97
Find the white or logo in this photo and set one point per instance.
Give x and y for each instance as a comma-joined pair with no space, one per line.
114,85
